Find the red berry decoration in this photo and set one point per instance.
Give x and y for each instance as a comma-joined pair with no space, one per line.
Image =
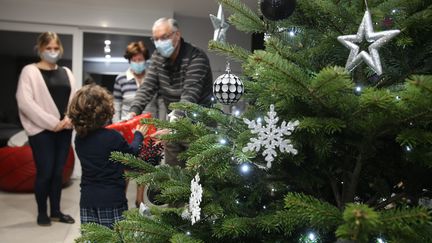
151,152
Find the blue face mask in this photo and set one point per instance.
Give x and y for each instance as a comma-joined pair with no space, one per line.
138,67
165,47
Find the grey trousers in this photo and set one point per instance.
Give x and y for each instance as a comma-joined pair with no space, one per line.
172,150
158,109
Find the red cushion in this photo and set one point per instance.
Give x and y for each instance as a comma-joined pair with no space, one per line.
17,169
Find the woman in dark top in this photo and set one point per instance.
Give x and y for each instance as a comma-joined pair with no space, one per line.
43,94
103,196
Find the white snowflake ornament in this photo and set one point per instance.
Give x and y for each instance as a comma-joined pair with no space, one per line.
270,136
195,199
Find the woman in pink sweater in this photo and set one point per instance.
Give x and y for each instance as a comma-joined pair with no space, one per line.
43,95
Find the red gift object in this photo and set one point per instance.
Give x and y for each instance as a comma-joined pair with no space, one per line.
18,171
126,127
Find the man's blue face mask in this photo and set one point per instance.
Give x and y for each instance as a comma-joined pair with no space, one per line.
165,47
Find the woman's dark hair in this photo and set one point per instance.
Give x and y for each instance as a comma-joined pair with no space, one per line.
91,108
136,47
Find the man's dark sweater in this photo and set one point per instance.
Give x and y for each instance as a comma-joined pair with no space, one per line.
188,79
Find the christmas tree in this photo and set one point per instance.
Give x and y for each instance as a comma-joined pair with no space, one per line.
355,167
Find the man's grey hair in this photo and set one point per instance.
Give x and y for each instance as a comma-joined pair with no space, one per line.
172,22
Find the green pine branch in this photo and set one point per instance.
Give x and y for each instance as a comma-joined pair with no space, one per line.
212,160
278,46
182,238
360,223
144,230
131,161
313,211
321,125
235,227
243,17
237,53
414,137
93,232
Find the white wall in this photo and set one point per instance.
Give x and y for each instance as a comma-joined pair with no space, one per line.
199,31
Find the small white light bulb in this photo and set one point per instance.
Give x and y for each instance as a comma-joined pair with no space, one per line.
245,168
312,236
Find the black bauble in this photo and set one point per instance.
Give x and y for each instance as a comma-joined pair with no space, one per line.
277,9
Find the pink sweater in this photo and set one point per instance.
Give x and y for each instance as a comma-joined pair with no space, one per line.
37,109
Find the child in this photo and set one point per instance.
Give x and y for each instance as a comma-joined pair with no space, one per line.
103,197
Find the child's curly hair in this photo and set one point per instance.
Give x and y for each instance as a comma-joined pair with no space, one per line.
91,108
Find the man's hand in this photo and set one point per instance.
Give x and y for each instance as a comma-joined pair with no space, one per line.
129,116
172,117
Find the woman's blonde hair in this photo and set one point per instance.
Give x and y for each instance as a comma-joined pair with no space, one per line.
45,38
91,108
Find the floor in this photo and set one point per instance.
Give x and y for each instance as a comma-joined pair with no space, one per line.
18,217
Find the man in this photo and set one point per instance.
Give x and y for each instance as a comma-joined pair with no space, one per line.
179,71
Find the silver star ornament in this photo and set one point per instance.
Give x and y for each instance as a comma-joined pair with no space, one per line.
219,25
377,39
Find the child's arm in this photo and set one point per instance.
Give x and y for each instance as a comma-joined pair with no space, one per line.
139,134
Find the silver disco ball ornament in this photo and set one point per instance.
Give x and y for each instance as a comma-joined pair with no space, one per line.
228,88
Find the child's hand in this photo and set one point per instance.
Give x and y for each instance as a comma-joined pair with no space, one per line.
157,134
142,128
161,132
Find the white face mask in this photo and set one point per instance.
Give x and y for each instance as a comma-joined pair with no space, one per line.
50,56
